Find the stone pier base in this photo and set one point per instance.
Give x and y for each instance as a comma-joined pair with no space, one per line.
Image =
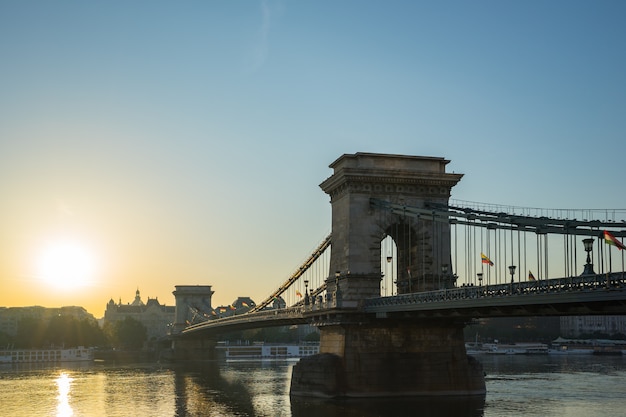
193,349
389,358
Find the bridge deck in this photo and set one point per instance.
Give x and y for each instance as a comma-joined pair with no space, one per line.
590,294
581,295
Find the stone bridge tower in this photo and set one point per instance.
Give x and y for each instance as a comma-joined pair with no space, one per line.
190,299
423,246
365,355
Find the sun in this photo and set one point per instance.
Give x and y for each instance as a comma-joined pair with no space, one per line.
66,264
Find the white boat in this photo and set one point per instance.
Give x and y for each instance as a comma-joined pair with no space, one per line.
79,354
266,351
516,349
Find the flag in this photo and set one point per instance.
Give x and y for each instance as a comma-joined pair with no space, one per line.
213,313
298,293
531,277
232,307
485,260
611,240
243,303
222,309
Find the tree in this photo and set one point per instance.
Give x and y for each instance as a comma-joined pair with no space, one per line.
30,333
59,331
128,333
5,339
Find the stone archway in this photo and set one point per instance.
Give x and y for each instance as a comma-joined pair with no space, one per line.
358,227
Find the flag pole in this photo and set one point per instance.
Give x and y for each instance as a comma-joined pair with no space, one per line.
622,260
608,273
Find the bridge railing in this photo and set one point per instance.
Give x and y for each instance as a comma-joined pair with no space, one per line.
613,281
586,283
270,314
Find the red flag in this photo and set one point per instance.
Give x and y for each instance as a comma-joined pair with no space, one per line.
611,240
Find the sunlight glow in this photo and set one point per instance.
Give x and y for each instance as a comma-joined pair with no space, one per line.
64,384
66,264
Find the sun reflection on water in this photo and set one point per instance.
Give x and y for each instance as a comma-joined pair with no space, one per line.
64,384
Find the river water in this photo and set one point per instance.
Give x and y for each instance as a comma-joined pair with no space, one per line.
517,385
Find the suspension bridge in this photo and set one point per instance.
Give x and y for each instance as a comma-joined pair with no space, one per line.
406,267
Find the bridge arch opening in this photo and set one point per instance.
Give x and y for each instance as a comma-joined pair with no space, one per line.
399,258
388,266
411,261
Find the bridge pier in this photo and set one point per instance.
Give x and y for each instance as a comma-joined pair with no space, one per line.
192,349
389,357
362,355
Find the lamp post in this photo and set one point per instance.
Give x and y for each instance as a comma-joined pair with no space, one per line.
512,272
480,281
588,248
306,292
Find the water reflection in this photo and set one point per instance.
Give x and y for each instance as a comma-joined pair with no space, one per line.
516,385
423,406
63,385
255,389
202,390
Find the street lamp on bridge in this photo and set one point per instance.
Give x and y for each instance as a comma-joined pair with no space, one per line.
306,292
588,248
512,272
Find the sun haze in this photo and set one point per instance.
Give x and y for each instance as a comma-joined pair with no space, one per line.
66,265
153,144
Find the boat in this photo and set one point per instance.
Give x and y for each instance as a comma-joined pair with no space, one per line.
569,350
265,351
78,354
475,347
562,346
516,349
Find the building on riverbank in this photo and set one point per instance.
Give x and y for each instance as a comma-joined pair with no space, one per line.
10,317
156,317
577,326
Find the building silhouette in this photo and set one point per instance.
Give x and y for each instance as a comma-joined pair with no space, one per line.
10,317
156,317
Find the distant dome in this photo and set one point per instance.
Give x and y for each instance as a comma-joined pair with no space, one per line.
137,301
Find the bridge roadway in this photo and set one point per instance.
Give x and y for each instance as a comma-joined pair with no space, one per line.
601,294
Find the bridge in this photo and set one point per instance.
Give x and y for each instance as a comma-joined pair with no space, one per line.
406,268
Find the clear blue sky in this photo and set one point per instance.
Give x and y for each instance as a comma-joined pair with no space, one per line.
183,142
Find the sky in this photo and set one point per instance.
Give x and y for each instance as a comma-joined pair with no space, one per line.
158,143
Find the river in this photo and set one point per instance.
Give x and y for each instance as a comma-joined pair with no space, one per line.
517,385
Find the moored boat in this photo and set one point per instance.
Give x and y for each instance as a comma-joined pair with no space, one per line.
78,354
264,351
561,346
507,349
